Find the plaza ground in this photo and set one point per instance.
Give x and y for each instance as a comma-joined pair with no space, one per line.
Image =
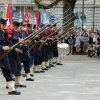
77,79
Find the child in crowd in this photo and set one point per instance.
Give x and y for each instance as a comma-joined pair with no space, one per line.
91,52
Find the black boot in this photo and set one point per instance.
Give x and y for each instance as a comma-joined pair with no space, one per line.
48,67
36,71
54,62
29,79
21,86
14,93
59,64
7,87
41,71
31,75
45,69
52,65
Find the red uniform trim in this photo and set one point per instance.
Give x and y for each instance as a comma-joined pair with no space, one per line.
27,32
9,36
9,31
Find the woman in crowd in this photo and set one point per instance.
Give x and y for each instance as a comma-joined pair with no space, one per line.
98,40
77,43
95,36
70,43
66,39
86,43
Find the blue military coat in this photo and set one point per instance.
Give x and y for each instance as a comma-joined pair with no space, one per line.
14,60
3,42
25,56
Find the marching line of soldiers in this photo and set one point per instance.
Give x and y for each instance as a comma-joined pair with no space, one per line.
36,54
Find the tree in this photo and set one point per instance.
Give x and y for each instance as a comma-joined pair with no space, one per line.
69,4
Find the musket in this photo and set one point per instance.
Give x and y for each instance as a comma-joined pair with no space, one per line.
59,16
30,36
33,34
31,48
65,24
47,37
52,34
60,35
38,33
42,29
54,20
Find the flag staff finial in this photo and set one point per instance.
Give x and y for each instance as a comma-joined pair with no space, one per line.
8,1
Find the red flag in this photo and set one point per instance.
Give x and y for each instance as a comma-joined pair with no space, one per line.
8,15
26,17
37,19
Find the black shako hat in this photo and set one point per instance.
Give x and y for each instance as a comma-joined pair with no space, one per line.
34,26
55,25
42,25
29,25
15,23
3,21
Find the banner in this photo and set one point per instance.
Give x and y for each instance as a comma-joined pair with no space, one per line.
20,17
26,17
37,19
4,13
9,15
41,16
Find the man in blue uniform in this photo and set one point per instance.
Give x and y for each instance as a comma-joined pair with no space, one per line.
4,63
48,47
14,59
31,49
38,56
55,48
25,56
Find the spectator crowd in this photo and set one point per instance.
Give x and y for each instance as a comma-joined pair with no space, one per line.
83,42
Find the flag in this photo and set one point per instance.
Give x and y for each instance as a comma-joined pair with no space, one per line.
20,17
12,13
41,17
26,17
44,18
8,15
4,13
37,19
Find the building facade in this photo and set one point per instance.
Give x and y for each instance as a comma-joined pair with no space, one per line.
21,5
91,11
